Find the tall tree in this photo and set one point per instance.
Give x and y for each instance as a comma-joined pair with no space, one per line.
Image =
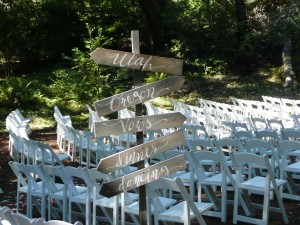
152,10
241,15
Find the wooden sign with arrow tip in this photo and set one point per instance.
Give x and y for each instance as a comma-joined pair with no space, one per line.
139,123
137,61
143,176
140,152
138,95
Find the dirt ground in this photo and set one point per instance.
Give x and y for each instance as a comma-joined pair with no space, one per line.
8,184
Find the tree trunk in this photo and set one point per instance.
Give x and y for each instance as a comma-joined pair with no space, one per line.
151,9
242,25
287,62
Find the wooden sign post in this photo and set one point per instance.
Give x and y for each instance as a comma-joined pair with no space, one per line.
142,151
135,43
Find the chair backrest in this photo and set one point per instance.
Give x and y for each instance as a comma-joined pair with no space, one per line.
285,147
19,173
275,124
218,158
237,126
242,159
243,135
290,134
193,132
201,144
228,145
59,172
261,147
81,173
258,123
47,154
267,134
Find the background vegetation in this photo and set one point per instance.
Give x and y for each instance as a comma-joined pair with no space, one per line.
229,48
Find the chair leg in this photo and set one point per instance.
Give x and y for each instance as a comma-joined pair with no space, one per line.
235,206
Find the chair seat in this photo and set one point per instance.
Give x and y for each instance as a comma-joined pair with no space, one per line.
258,184
134,207
217,180
294,167
294,153
185,177
109,202
176,212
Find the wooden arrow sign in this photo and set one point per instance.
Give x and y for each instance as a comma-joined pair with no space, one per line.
138,95
139,123
137,61
140,152
143,176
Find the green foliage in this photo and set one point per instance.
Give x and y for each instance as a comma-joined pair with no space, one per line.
18,91
86,81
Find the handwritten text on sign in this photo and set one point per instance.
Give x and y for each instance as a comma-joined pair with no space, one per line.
140,152
137,61
143,176
139,123
138,95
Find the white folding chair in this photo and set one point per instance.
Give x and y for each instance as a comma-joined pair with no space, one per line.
289,153
23,186
258,184
184,211
62,135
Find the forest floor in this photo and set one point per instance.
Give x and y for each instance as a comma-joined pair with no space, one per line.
8,184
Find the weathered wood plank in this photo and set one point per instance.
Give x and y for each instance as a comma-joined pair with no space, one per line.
139,123
138,95
137,61
140,152
143,176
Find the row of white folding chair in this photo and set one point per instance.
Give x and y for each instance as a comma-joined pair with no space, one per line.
93,117
250,107
126,140
186,109
155,110
273,147
34,152
8,217
87,149
270,108
163,207
62,135
225,178
224,111
17,123
80,186
286,106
